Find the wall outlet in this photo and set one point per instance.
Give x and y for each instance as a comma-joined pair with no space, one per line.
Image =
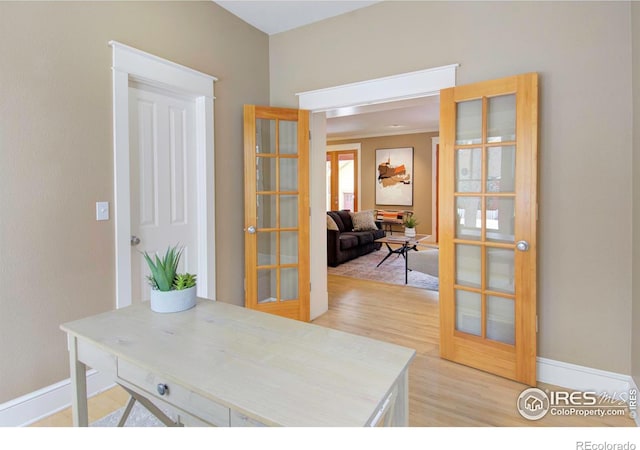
102,210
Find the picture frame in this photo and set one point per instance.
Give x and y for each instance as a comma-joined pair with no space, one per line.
394,176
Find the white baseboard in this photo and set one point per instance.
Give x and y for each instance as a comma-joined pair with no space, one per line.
39,404
581,378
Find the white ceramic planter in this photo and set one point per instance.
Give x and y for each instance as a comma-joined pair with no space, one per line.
173,301
410,232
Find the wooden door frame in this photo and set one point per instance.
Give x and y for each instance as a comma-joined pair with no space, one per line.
405,86
135,65
357,147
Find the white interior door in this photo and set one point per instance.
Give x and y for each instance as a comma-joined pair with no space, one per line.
163,181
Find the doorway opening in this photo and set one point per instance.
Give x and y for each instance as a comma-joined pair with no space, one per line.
343,177
325,102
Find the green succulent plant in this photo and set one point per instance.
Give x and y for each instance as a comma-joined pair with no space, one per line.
164,276
184,281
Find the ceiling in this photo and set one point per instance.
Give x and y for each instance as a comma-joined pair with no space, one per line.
403,117
274,17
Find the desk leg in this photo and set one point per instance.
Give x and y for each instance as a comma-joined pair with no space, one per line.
78,386
400,416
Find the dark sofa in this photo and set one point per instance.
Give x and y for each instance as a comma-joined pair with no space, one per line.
345,244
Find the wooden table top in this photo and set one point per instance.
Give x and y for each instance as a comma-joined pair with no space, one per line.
280,370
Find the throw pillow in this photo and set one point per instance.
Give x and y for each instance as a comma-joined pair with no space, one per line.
331,224
363,221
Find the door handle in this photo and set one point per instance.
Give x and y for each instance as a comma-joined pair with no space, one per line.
251,230
523,246
135,240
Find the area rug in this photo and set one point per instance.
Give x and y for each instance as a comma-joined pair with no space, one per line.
139,417
391,271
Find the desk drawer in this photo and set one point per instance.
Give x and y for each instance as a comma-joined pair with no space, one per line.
176,395
240,420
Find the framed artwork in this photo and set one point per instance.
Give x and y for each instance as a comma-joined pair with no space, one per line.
394,176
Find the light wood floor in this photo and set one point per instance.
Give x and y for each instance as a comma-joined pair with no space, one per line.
441,393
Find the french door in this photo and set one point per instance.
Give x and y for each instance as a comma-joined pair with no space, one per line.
488,214
342,180
276,147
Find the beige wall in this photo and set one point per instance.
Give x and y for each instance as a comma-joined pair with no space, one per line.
421,143
56,159
581,51
635,348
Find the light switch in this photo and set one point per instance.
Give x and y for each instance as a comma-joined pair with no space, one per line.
102,210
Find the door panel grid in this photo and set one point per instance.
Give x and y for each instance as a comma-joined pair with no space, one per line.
488,196
276,197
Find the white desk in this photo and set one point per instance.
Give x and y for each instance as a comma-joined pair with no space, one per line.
227,365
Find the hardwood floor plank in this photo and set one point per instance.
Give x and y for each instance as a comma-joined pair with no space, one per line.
441,393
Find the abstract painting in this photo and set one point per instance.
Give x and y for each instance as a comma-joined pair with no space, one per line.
394,176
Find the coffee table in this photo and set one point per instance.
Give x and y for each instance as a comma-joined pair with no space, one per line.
405,243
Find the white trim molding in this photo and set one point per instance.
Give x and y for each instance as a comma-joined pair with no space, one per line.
132,65
581,378
39,404
421,83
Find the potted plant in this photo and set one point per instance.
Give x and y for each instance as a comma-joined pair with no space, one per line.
410,226
170,291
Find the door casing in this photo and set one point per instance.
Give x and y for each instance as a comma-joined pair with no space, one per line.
130,64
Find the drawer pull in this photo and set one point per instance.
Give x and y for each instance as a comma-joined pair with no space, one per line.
163,389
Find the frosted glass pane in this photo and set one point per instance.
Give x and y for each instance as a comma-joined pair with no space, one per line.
267,248
469,220
500,219
469,170
469,265
501,319
289,284
501,169
289,247
266,211
288,211
469,312
288,174
266,174
288,137
265,136
267,289
469,122
501,118
500,270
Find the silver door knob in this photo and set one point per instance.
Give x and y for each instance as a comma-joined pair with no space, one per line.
135,240
523,246
251,229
